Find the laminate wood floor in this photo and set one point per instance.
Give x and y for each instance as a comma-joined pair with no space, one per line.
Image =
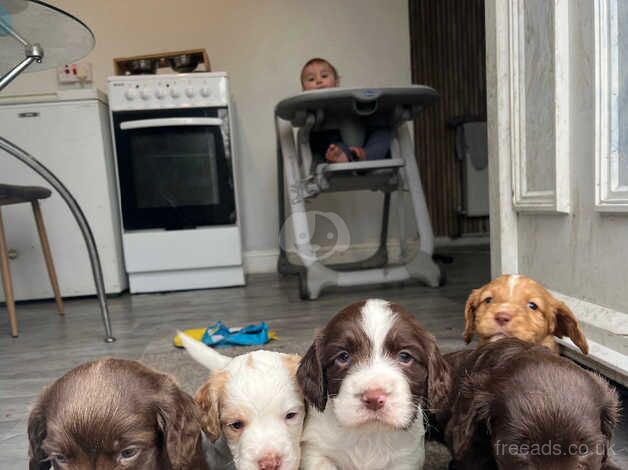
49,345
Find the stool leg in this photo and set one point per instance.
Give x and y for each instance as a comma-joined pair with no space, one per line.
6,279
45,247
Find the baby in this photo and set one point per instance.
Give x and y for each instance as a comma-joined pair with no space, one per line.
319,73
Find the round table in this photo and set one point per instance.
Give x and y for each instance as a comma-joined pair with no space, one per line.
47,37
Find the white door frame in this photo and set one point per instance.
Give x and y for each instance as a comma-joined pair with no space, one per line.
503,227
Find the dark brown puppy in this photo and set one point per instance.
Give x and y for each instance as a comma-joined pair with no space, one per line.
115,413
515,405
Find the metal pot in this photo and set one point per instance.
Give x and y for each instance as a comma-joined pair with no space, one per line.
143,66
183,63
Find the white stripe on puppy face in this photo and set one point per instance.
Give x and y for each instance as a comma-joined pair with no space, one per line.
377,320
512,283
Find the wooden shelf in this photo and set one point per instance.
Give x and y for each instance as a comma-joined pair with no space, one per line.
121,64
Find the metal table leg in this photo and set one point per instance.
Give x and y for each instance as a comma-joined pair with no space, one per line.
35,165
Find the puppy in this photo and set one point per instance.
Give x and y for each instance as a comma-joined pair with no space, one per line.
369,376
516,405
112,414
252,408
517,306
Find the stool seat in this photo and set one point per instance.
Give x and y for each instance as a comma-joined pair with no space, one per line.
11,194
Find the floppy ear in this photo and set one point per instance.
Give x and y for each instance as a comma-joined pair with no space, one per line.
469,314
179,422
567,325
609,413
36,435
311,378
609,417
291,362
470,412
438,378
208,398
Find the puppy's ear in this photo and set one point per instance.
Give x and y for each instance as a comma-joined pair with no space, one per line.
567,325
310,376
469,415
36,435
469,314
291,362
208,398
609,407
438,378
179,422
609,417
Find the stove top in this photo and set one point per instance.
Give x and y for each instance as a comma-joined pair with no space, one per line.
168,91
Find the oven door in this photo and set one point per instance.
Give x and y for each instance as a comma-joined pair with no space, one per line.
174,168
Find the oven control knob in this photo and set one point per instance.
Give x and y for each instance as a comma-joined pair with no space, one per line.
146,93
160,93
174,92
205,92
130,94
189,91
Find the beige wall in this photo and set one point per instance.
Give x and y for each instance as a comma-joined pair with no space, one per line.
262,45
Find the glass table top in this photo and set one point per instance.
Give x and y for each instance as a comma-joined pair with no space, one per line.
64,38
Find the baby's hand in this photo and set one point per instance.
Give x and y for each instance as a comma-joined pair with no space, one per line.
335,154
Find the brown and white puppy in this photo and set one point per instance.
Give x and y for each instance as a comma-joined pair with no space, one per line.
516,405
518,306
252,408
369,377
115,414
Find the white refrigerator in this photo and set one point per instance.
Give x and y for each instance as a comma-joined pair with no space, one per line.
71,137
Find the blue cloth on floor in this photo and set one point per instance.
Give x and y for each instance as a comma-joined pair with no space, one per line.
219,335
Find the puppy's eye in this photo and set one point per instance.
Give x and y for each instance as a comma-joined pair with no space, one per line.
343,357
59,458
129,453
236,425
405,357
488,300
291,415
532,306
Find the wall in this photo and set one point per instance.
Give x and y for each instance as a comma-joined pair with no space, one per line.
262,45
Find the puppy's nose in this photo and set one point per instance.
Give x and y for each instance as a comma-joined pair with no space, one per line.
502,318
374,399
269,461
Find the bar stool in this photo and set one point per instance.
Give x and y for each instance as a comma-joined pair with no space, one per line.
9,195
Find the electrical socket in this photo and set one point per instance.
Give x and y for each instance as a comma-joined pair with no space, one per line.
75,73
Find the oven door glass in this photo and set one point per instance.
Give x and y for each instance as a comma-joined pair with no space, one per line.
174,168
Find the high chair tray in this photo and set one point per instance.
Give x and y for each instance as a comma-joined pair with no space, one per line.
351,101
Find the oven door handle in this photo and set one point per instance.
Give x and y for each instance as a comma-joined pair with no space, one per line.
170,122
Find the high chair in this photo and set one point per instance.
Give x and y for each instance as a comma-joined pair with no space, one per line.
9,195
305,176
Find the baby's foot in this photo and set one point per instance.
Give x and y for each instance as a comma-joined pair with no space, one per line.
359,153
335,154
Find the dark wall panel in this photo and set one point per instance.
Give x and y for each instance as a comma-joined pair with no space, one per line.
448,54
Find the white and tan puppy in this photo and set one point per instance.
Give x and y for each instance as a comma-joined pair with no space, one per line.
369,377
252,408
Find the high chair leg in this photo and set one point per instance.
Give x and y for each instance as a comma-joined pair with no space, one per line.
45,247
6,280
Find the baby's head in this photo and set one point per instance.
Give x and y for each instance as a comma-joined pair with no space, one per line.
318,73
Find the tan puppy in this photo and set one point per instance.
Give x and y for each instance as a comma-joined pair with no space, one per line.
518,306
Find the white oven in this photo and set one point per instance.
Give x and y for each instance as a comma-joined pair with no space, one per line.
176,180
